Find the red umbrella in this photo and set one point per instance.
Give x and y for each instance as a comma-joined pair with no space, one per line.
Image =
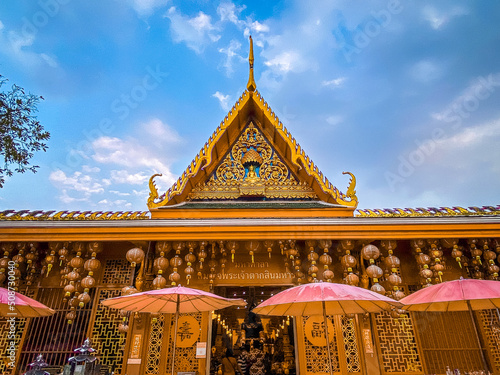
321,298
13,304
171,300
457,295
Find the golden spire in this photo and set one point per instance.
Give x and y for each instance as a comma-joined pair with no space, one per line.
251,86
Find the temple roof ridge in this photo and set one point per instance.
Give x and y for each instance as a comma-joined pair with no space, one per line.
52,215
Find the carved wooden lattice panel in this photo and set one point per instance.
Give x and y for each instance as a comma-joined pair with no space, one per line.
491,327
448,339
350,345
397,344
317,356
185,358
52,336
154,346
106,338
116,272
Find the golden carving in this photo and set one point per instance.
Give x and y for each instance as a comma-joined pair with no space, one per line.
204,158
431,211
72,215
251,168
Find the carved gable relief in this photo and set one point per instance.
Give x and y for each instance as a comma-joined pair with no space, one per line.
252,168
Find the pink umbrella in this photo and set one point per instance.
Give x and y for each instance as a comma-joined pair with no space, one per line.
321,298
13,304
171,300
457,295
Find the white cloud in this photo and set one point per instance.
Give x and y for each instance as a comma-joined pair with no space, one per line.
230,12
231,54
147,7
110,150
66,198
437,18
258,27
119,193
78,181
286,61
223,100
196,32
474,137
336,82
17,45
124,177
160,131
107,204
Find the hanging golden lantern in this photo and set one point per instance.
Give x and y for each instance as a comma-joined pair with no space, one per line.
159,282
252,247
88,282
377,288
398,294
202,254
346,244
160,264
69,289
328,275
83,299
189,270
419,243
162,247
348,261
370,253
176,261
374,272
95,247
352,279
423,259
388,245
71,316
392,261
394,279
232,246
135,256
92,265
128,290
73,275
268,244
123,328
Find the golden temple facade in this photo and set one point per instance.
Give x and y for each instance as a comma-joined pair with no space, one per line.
251,215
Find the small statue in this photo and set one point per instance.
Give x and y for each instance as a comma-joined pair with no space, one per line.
36,367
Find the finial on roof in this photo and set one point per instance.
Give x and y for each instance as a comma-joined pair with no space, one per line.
251,86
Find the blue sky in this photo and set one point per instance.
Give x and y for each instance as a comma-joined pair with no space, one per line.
403,94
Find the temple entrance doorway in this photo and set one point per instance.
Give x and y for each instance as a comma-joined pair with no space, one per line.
263,345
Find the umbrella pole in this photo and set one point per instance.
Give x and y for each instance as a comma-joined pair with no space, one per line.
175,332
485,364
327,338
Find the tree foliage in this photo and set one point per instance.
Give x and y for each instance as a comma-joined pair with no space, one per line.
21,135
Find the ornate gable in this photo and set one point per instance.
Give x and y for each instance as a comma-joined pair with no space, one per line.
252,168
251,154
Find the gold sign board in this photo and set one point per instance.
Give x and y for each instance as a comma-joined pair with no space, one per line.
188,331
315,330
